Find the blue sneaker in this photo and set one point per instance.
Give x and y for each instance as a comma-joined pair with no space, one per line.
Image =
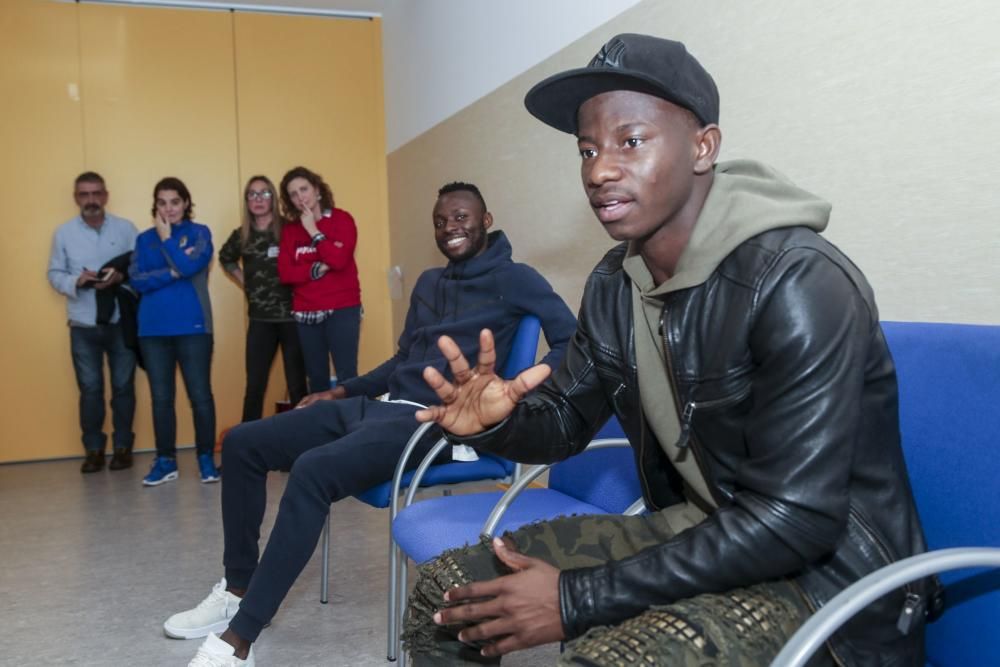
206,464
163,470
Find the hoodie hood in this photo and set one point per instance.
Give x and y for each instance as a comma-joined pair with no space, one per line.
457,277
498,252
747,198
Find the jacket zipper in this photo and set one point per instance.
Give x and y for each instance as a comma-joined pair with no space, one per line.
687,414
647,495
642,453
913,603
871,535
812,610
673,386
910,608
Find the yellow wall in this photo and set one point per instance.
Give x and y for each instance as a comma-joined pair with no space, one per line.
310,93
140,93
42,153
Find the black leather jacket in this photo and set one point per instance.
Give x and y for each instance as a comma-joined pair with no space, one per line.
788,399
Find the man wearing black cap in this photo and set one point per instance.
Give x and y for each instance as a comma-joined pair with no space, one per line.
743,356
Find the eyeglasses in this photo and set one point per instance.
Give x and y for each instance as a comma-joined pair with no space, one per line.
260,194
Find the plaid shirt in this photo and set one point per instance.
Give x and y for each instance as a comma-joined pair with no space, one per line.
313,316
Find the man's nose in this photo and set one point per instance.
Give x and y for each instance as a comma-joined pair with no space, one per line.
601,169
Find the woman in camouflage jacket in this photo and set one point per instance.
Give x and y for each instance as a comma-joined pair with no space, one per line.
250,257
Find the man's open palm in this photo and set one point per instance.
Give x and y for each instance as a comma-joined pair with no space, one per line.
477,398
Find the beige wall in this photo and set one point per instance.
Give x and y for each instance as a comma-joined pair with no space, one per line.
890,110
138,93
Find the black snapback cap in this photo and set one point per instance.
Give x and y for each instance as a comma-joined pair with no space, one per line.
643,63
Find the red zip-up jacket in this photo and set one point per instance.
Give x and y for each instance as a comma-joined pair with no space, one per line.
339,287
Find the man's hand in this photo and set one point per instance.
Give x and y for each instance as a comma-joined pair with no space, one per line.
478,398
87,276
113,278
328,395
519,611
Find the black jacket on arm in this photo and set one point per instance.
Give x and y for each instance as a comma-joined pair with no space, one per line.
789,398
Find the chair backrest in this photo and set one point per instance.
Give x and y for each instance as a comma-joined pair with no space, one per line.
606,478
523,348
949,411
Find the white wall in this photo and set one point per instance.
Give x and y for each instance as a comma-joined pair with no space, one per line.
441,55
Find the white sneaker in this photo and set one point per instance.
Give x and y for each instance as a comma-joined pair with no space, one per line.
211,615
216,653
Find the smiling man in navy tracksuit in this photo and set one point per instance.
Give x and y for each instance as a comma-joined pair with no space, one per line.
344,441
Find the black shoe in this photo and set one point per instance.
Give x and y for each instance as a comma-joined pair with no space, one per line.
121,459
94,462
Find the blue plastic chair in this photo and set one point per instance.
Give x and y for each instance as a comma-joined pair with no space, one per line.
601,480
949,411
524,349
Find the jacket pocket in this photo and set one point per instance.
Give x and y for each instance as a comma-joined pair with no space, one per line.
707,411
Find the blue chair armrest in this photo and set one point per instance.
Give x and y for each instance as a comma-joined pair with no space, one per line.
529,476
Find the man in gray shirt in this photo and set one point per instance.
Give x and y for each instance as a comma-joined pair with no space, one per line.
85,253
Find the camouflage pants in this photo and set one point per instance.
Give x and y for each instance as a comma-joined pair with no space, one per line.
741,628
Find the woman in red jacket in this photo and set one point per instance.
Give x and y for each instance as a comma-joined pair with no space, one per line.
316,258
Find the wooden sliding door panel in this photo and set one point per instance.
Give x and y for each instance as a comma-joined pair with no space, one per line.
42,154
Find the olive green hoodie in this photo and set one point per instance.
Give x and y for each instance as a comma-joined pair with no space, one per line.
746,199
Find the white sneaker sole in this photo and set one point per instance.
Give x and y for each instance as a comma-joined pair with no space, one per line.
195,633
209,480
169,477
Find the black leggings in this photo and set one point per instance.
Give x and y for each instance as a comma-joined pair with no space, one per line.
337,337
263,338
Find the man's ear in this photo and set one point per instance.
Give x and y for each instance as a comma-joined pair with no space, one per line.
487,220
708,143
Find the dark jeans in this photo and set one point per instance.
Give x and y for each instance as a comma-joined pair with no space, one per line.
193,353
262,342
336,336
334,449
88,346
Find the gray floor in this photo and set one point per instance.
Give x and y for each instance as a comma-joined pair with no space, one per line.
91,566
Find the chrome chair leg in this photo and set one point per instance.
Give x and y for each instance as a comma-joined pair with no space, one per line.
401,613
392,635
324,577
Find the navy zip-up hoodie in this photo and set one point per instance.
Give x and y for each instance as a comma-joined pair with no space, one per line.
489,291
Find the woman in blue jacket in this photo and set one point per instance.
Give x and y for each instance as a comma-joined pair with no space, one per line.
170,271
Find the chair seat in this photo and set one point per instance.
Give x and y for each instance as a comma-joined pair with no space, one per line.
455,472
422,539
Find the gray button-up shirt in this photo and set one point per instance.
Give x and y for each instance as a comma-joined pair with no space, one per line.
77,246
